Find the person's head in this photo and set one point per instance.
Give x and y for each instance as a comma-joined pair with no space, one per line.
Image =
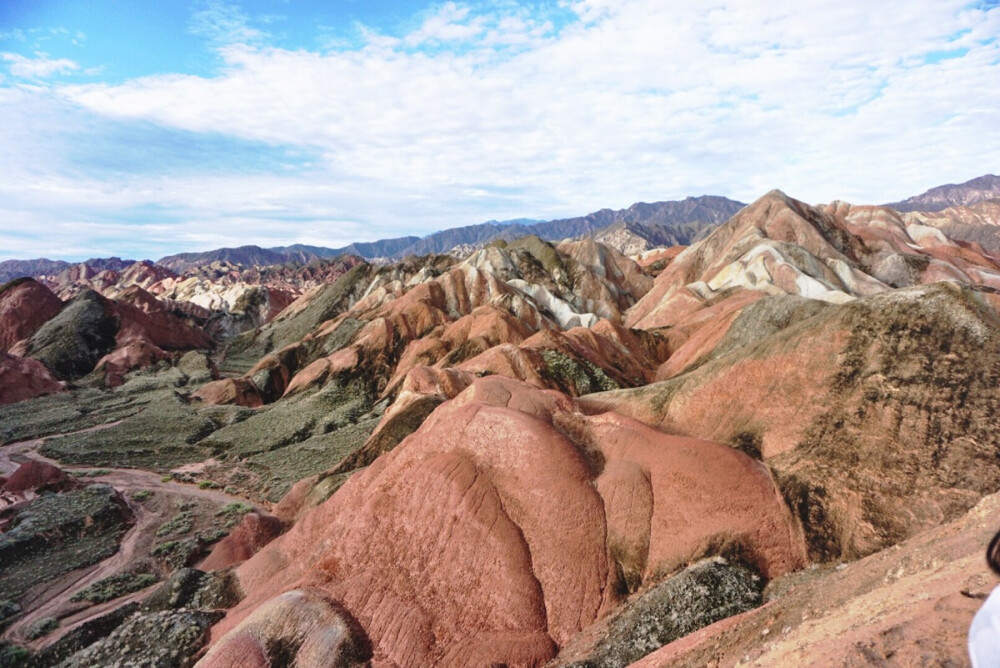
993,554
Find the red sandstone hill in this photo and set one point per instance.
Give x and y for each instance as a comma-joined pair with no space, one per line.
24,378
458,547
51,341
25,305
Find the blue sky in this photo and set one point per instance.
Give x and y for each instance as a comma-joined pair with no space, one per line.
143,129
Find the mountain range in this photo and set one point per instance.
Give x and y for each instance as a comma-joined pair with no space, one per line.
640,227
772,446
679,221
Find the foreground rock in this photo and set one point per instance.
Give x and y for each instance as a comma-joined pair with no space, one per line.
297,628
698,596
910,605
161,639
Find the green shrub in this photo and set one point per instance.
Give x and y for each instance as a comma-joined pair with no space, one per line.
209,537
92,473
8,611
179,553
41,627
182,523
234,512
164,549
13,655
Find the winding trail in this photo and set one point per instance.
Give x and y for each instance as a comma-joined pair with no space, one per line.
53,600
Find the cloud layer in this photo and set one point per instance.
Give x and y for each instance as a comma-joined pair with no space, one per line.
500,111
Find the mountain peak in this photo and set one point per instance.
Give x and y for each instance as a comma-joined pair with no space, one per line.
971,192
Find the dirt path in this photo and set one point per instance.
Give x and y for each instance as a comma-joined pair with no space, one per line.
124,480
53,599
7,464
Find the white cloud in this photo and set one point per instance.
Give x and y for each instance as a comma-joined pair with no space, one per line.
39,67
224,23
450,23
16,34
637,100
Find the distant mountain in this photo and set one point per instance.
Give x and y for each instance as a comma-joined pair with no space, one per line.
445,240
963,194
92,267
658,223
707,208
383,248
668,223
11,269
686,219
630,238
247,256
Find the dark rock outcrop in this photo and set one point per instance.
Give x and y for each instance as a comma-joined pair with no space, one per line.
162,639
693,599
72,342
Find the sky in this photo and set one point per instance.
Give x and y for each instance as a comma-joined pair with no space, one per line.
141,129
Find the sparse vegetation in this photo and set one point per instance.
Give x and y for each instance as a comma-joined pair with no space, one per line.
164,549
142,495
749,442
694,598
211,536
8,611
161,436
576,377
181,523
92,473
57,533
178,553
